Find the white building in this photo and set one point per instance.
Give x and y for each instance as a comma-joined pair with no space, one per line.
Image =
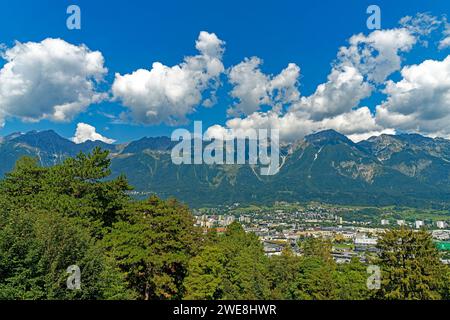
419,224
441,224
401,222
365,241
244,219
384,222
348,235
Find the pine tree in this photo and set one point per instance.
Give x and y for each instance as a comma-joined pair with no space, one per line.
411,269
153,244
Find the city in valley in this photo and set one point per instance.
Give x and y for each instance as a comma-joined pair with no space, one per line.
353,231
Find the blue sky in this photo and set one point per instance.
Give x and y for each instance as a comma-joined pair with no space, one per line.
134,34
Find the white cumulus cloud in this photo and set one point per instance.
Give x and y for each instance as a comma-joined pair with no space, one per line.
356,124
342,92
360,69
51,79
168,94
252,88
420,101
377,55
87,132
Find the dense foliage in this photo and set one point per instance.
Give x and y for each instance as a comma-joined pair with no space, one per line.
71,214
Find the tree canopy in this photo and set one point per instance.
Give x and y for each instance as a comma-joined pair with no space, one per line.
75,214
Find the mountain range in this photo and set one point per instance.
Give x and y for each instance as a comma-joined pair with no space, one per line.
405,170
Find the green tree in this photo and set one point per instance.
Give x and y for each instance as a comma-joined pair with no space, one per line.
351,281
317,248
316,277
315,280
36,248
205,275
282,274
446,287
153,244
411,269
26,179
238,264
52,218
77,187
